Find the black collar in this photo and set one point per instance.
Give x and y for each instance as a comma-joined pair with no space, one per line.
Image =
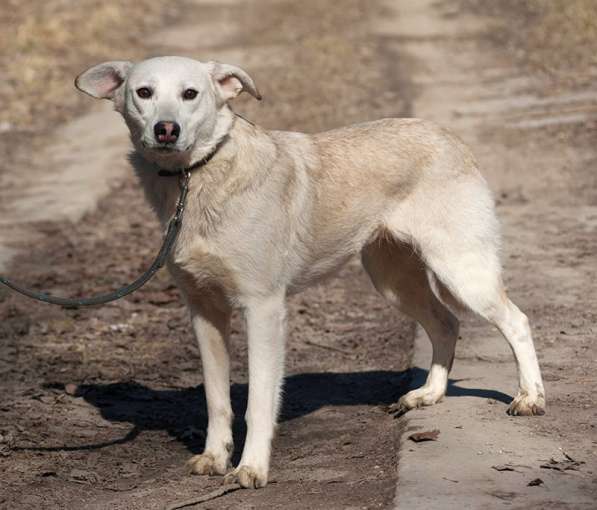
198,164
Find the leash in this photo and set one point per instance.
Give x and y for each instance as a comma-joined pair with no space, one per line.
169,239
174,225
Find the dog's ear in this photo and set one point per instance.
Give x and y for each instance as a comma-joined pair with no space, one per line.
103,80
230,81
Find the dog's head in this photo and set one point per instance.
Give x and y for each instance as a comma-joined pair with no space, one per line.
173,106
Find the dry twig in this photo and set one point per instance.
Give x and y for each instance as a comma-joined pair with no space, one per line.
206,497
329,348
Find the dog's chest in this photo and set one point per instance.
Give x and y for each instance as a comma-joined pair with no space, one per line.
213,248
226,260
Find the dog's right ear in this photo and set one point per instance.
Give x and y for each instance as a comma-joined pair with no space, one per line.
103,80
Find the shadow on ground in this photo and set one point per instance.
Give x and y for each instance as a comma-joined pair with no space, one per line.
182,412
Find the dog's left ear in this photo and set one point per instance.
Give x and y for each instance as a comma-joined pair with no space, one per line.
103,80
230,81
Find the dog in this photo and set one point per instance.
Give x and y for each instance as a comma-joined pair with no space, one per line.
272,212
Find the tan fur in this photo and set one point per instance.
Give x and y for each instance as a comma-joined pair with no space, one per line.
328,193
273,212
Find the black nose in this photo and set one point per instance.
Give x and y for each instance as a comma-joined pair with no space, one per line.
166,131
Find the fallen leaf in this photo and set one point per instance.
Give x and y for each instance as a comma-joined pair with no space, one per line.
503,467
429,435
563,465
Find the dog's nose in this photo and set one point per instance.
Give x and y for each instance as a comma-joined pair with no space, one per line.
166,131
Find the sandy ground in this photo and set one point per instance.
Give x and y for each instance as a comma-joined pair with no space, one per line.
535,144
100,408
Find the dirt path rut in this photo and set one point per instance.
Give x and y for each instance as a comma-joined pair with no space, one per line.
535,147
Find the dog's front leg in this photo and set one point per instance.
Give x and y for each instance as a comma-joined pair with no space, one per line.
211,327
266,325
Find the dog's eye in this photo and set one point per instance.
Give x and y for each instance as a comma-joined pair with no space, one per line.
189,94
144,93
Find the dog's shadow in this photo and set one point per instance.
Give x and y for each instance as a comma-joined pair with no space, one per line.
182,412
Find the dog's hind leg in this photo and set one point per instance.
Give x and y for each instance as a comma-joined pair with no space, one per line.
473,275
400,275
457,236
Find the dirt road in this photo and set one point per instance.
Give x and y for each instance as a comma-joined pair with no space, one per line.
101,408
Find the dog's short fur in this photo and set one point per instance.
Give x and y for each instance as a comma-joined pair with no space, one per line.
273,212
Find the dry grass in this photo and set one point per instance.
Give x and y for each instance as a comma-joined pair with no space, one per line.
555,37
44,44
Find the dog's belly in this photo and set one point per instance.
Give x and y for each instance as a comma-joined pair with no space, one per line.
250,265
238,280
330,246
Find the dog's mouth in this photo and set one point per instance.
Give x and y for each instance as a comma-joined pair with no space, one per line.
164,148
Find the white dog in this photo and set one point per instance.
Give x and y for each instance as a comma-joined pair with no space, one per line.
271,212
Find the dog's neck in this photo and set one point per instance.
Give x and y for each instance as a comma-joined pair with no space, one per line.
225,120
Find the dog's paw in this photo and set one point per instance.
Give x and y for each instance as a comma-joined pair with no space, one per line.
420,397
524,405
397,409
207,464
247,477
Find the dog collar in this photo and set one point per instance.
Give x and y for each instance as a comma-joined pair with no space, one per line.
198,164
